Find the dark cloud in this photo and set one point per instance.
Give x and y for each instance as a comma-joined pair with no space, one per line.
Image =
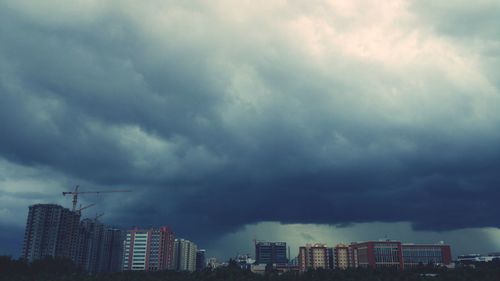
216,123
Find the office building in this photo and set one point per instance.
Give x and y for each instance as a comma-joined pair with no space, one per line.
51,231
313,256
201,262
418,255
148,249
185,255
380,254
271,253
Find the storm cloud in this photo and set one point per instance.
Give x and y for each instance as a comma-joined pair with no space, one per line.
221,114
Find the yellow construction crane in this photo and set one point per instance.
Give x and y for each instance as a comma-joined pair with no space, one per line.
77,192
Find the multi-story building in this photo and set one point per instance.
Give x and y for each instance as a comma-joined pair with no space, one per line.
313,257
51,231
271,253
111,250
379,254
201,262
342,256
89,247
185,255
148,249
417,255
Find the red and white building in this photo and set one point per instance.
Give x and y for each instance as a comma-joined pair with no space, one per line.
415,255
148,249
380,254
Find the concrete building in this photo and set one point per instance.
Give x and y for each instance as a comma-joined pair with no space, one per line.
148,249
99,247
51,231
89,246
111,250
185,255
313,256
271,253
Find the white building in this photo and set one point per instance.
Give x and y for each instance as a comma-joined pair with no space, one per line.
184,255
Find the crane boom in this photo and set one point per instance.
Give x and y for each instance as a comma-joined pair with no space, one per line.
76,192
84,208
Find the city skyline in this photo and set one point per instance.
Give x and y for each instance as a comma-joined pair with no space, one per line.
307,122
53,231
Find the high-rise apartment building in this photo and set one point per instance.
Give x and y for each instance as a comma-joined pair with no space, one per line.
185,255
90,242
148,249
313,257
271,253
99,247
112,250
51,231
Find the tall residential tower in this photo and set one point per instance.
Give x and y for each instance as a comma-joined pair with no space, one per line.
148,249
51,231
185,255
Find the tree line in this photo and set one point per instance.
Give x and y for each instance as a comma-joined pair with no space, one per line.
57,269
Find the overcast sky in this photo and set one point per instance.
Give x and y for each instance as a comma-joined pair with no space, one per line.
302,121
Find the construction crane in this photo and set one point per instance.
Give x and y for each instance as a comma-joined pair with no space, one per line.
98,216
77,192
83,208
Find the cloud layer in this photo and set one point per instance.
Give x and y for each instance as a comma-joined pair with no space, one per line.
222,114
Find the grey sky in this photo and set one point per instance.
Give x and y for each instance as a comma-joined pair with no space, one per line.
225,116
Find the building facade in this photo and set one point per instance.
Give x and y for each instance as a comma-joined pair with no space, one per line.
201,262
51,231
112,250
342,256
380,254
185,255
313,256
89,248
148,249
271,253
418,255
